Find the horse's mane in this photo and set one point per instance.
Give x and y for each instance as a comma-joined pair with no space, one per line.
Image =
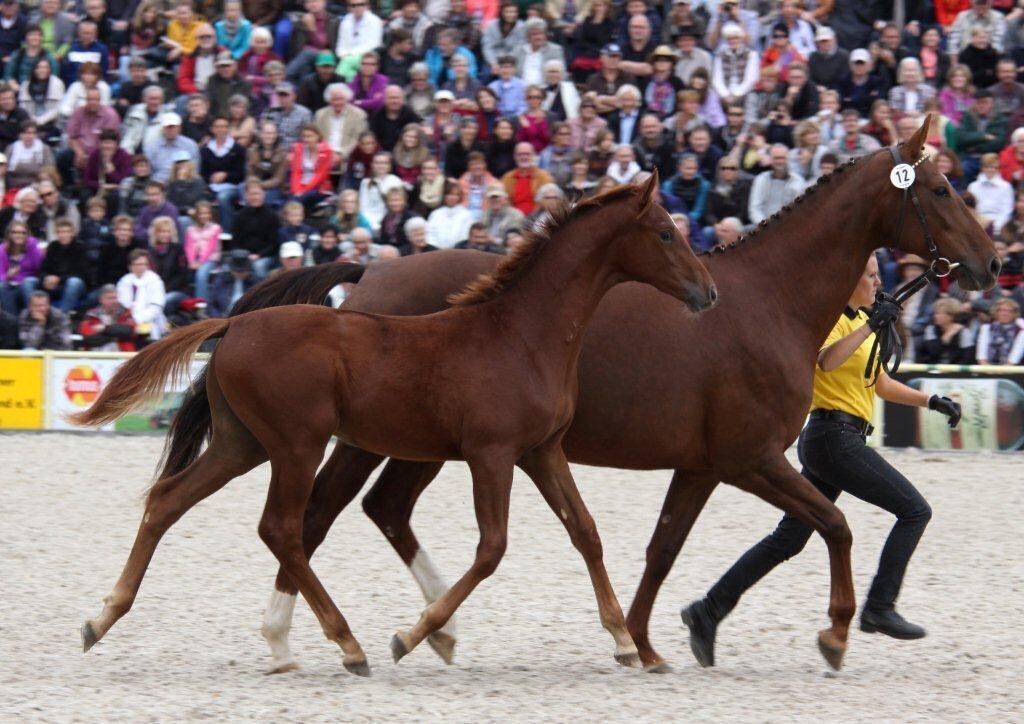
766,224
512,267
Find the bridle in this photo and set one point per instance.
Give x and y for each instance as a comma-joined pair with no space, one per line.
887,344
941,266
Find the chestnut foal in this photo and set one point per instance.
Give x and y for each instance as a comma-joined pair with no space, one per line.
491,381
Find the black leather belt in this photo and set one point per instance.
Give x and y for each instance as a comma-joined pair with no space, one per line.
860,424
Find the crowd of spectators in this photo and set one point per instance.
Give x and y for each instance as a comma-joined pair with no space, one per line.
161,156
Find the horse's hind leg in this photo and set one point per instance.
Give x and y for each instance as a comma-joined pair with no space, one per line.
492,485
782,486
294,464
549,470
233,451
684,501
338,482
390,504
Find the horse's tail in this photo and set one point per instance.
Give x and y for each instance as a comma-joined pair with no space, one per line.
192,423
143,376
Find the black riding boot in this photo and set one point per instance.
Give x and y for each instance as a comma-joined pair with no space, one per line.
702,624
890,623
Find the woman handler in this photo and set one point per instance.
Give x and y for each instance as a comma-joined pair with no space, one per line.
836,458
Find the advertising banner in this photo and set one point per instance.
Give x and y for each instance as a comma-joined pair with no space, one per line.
21,393
76,382
993,412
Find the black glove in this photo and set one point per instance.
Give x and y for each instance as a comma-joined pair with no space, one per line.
947,407
884,312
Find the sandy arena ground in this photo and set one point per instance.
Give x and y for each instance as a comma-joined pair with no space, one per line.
530,645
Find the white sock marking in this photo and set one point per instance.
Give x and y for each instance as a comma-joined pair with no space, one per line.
277,622
431,583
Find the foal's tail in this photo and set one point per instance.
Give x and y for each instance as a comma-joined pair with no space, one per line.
192,423
143,376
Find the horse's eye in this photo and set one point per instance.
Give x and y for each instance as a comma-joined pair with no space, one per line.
942,191
666,235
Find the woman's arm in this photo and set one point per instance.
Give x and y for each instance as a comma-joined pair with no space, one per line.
894,391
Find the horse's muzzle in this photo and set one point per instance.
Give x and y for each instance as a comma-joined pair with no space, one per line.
699,300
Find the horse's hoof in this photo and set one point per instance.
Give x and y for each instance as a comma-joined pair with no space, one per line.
831,648
630,660
443,644
357,665
283,668
662,667
399,648
89,637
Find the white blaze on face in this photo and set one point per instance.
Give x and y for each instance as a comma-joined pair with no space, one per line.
277,622
431,583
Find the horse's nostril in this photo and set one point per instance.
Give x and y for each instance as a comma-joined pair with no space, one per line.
995,266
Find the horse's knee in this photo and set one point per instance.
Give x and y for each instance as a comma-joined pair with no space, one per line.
837,531
377,508
277,536
489,554
587,540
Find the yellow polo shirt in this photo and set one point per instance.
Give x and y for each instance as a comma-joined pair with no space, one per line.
845,388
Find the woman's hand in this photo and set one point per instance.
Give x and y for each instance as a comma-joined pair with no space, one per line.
947,407
885,312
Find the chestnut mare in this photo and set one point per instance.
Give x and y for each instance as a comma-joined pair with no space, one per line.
491,381
716,397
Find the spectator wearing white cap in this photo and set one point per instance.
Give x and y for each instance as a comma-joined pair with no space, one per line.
828,64
291,256
861,88
498,215
162,151
736,68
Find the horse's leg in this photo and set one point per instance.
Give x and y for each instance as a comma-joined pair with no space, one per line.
684,501
338,482
233,451
782,486
389,504
294,464
492,485
549,470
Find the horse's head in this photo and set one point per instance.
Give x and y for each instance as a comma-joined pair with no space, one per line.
955,234
653,251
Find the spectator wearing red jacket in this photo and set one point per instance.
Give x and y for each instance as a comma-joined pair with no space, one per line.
199,66
108,327
311,167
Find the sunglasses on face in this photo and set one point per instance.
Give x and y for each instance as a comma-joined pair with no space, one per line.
730,168
535,98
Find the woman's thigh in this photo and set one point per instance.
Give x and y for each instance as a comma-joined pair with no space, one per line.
850,465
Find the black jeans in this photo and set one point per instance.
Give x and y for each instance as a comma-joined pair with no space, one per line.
836,458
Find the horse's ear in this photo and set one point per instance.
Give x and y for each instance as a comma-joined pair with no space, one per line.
649,187
914,147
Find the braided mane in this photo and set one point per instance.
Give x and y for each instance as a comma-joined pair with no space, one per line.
785,210
512,267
